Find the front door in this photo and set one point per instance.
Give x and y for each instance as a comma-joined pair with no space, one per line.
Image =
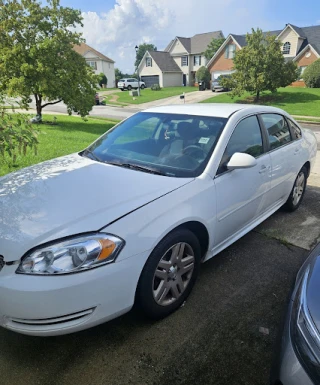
184,80
242,193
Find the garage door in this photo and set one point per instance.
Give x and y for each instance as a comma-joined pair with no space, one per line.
216,74
150,80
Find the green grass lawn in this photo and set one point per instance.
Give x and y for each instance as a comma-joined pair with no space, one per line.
294,100
71,134
147,95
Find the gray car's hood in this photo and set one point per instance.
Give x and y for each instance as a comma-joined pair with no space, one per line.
70,195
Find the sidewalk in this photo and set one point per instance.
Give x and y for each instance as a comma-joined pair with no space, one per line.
190,97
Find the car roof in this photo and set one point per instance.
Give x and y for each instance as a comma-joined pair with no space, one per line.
223,110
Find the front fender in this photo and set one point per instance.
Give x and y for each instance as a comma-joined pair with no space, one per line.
143,229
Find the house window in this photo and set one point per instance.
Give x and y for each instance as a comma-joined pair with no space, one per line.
184,61
197,60
148,62
230,51
92,64
286,48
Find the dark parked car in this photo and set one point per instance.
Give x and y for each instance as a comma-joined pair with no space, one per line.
298,361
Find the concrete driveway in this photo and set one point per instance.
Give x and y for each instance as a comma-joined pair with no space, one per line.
224,335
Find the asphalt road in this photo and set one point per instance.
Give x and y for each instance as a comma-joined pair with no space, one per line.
215,338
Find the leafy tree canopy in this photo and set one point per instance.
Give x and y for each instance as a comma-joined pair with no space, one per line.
213,47
37,56
260,66
143,48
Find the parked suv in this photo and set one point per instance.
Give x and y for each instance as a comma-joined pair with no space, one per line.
128,84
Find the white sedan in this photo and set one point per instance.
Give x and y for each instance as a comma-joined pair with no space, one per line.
85,236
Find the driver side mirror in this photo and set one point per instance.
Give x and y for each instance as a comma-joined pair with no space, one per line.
241,160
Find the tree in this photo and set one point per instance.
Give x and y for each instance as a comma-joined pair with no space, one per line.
143,48
260,66
118,74
203,74
103,81
311,75
213,47
37,56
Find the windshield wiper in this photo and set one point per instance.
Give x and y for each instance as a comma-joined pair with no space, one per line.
87,151
138,168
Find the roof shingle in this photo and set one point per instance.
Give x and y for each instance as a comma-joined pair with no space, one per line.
164,61
83,48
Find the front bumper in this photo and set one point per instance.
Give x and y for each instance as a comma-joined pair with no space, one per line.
54,305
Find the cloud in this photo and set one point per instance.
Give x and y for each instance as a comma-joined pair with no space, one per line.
132,22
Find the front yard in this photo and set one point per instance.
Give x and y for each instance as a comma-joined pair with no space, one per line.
294,100
71,134
147,95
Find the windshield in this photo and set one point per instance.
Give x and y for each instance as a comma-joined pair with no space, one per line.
168,144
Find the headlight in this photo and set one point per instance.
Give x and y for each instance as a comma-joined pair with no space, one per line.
72,255
305,335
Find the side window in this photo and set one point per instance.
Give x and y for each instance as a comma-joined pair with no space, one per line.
245,138
277,128
295,130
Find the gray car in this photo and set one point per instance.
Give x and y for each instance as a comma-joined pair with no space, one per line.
298,362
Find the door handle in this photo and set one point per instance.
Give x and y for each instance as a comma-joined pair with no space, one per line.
264,169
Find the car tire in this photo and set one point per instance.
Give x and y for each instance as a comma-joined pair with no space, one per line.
142,86
213,90
122,89
169,274
129,88
298,190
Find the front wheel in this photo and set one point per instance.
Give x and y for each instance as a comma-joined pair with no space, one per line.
169,274
298,190
142,86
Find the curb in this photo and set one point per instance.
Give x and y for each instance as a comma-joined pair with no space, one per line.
308,122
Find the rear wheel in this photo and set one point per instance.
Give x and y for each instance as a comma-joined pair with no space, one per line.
142,86
169,274
129,88
298,190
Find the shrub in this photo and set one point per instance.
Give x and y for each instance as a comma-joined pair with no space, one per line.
102,79
203,75
155,87
311,75
16,134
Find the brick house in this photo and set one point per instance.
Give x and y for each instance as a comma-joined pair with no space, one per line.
302,45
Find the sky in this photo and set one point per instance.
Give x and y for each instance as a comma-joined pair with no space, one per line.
115,27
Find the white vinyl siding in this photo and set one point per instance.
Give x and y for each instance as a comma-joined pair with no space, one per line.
289,36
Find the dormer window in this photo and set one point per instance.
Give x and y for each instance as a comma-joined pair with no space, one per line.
286,48
148,62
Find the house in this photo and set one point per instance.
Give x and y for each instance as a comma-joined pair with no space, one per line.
302,45
98,62
178,63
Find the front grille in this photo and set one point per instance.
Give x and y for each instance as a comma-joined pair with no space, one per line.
2,262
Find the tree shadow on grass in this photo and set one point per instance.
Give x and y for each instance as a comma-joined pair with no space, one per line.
281,98
90,126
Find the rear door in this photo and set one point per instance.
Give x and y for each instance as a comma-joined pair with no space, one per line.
284,153
242,193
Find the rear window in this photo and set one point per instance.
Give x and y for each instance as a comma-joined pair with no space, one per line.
121,80
278,130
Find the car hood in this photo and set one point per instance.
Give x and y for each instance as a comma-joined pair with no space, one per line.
70,195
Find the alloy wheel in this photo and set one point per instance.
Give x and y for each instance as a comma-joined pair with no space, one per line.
298,188
173,273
